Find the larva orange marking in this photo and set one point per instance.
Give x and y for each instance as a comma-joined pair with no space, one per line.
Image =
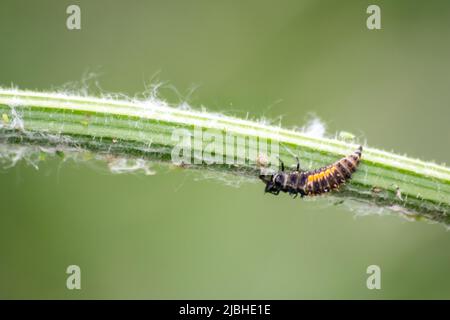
313,182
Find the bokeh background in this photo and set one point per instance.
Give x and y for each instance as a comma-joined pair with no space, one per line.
178,235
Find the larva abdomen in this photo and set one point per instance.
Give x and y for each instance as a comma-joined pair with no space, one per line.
331,177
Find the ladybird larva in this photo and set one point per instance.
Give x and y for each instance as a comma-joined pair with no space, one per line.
313,182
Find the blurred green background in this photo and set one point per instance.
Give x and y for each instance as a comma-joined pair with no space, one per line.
177,235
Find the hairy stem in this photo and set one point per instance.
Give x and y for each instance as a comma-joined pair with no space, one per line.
145,130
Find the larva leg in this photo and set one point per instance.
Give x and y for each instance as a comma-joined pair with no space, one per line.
282,164
298,163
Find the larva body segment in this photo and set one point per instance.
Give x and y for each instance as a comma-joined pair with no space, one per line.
313,182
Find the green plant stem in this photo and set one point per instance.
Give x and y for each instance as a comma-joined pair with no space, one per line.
143,129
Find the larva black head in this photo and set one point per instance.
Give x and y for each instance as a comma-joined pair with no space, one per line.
268,180
274,183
